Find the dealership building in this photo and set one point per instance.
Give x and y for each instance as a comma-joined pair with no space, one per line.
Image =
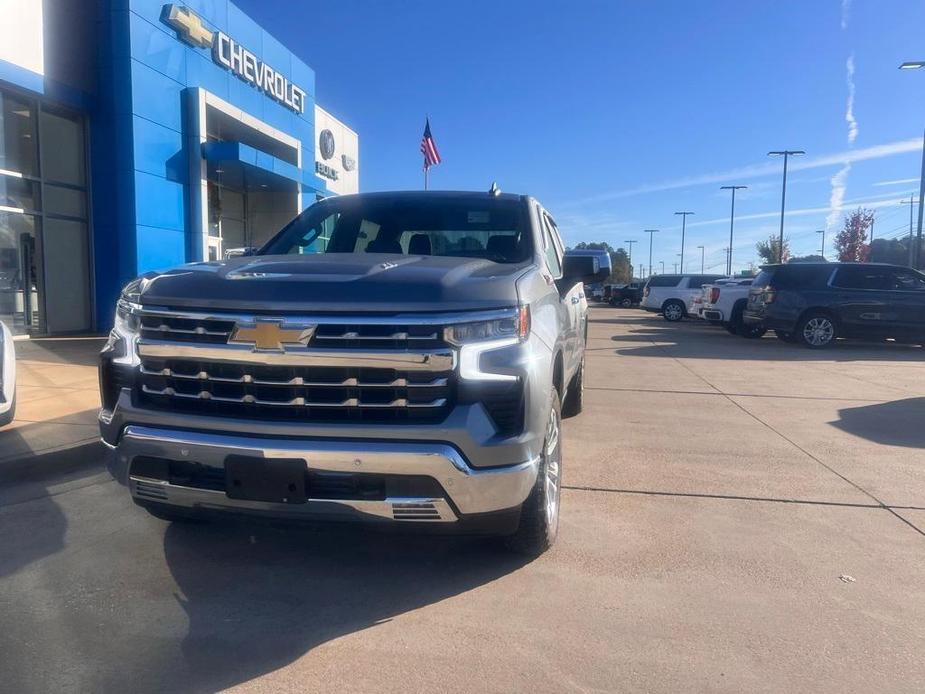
137,135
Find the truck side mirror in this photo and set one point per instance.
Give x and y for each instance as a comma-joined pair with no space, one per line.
585,268
239,252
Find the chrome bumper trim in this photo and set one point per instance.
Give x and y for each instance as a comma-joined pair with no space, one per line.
402,509
471,490
423,360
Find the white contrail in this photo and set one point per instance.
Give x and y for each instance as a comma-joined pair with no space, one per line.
756,171
837,196
845,13
849,109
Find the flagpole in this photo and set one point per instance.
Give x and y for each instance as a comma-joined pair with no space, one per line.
425,177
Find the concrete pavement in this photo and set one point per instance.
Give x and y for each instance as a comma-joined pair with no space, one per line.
740,516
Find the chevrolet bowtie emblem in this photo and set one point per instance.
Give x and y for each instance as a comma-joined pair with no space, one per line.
271,336
189,27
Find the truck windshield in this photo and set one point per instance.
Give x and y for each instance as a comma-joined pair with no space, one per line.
488,228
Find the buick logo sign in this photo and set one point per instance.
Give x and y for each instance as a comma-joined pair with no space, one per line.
326,143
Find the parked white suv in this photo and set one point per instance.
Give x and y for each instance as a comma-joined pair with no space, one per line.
723,303
673,295
7,376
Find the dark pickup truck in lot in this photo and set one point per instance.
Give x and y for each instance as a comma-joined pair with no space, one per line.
625,295
816,303
394,357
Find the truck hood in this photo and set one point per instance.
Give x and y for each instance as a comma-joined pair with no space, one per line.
336,282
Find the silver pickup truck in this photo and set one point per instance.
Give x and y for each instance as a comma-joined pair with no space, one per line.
396,357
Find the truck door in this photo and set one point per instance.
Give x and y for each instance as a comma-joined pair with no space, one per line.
573,300
907,299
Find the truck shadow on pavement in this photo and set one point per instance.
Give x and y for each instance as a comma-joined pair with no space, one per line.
709,342
259,596
895,423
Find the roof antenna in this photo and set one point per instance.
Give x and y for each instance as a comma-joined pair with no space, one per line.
494,191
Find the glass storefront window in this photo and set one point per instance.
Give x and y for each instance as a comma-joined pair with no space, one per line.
62,149
18,142
44,235
21,193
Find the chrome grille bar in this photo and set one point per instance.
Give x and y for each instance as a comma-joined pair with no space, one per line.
296,381
398,403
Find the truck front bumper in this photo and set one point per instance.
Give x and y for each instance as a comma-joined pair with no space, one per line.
459,492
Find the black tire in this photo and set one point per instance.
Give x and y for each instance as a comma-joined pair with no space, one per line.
673,311
816,330
785,336
539,521
574,395
626,303
10,414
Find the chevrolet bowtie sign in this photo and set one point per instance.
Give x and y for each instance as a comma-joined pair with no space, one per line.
231,55
271,336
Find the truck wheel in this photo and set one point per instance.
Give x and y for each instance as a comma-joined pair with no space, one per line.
626,303
539,515
673,311
10,414
575,393
817,330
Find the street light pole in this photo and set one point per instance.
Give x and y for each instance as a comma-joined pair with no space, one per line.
650,232
630,243
915,65
911,202
683,229
786,153
662,263
728,252
732,216
701,258
822,248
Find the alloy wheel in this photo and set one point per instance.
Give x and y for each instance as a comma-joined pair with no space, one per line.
673,312
553,466
818,331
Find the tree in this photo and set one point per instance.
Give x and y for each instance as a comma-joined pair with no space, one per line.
807,259
892,251
593,246
850,241
770,250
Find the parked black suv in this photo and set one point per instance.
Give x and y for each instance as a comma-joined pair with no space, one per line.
625,295
815,303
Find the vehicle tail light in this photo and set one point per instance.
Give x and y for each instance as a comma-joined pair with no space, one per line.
769,296
646,292
714,295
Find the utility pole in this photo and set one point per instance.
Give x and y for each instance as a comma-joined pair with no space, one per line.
675,268
786,153
650,232
911,202
871,229
683,229
728,252
701,258
630,243
732,216
917,65
662,263
822,248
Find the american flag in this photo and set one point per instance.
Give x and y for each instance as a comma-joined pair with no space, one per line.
429,148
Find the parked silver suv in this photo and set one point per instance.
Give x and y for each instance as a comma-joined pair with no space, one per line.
390,356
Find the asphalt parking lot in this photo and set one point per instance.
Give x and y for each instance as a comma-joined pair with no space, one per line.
741,515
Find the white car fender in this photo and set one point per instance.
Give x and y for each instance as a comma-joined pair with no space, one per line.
7,374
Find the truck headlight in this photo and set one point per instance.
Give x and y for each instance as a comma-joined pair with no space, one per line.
125,331
477,338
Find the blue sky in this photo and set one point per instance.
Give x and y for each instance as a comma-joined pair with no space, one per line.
615,114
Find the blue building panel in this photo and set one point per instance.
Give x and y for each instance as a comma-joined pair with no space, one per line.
160,203
158,249
159,150
157,49
156,97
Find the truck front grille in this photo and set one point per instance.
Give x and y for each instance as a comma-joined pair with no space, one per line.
305,393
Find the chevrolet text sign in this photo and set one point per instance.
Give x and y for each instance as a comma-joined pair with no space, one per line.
233,56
